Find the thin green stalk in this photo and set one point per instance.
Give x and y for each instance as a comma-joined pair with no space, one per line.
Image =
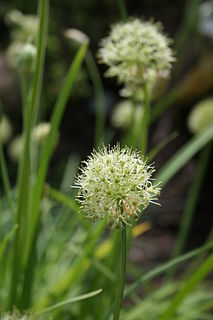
122,9
24,169
99,97
5,179
177,161
145,122
42,171
122,276
192,200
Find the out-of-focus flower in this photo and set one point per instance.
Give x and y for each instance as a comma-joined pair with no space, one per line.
206,19
24,27
136,52
76,35
15,315
23,34
116,183
16,148
201,116
125,113
40,132
5,129
26,58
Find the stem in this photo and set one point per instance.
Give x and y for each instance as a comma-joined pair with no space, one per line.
99,97
122,9
145,122
5,179
24,183
122,275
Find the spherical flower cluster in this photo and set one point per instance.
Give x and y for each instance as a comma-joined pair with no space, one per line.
136,52
201,117
116,183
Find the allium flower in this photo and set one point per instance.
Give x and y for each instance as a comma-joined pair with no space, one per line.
116,183
136,52
201,116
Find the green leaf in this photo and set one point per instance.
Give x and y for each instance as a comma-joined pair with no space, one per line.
6,240
50,140
165,267
184,155
71,300
187,288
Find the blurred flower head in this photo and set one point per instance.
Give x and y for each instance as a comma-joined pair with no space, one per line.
201,116
16,148
116,183
5,129
76,36
136,52
23,34
15,315
125,113
40,132
24,27
26,58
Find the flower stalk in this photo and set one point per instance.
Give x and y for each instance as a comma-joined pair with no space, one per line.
122,275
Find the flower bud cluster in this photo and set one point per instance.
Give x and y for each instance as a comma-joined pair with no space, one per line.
136,52
116,183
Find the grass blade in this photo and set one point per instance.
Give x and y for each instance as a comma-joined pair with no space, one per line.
43,167
24,169
165,267
190,284
71,300
6,240
184,155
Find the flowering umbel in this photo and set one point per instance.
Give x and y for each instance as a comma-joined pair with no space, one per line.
136,52
116,182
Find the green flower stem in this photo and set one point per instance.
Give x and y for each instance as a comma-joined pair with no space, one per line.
122,275
99,97
145,122
122,9
5,179
24,183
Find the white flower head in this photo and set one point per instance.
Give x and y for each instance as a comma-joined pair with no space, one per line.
136,52
115,182
201,117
